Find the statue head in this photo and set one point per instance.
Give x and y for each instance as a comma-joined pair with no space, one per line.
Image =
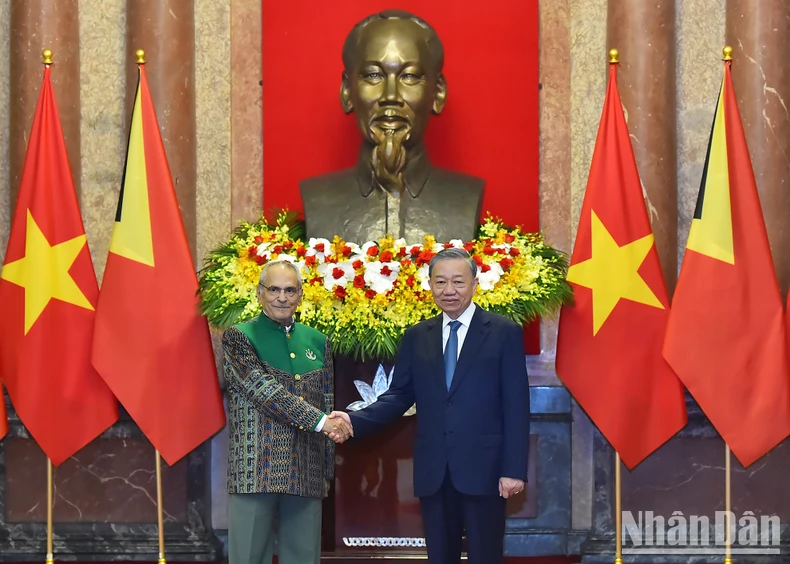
393,82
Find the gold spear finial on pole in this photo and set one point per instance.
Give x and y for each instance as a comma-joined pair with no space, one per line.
614,55
46,57
140,54
727,53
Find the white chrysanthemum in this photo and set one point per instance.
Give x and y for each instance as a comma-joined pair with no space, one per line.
488,280
312,251
327,271
381,283
366,246
422,276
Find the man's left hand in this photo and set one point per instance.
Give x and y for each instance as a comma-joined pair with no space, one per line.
510,486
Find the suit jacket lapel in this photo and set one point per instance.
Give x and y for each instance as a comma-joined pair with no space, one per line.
435,345
475,336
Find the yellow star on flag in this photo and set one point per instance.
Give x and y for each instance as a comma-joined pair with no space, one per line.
44,272
612,273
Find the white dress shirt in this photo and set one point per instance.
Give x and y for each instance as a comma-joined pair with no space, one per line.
465,318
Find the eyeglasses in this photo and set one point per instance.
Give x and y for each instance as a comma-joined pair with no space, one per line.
290,291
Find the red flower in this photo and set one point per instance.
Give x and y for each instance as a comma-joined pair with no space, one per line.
402,252
337,273
509,238
370,294
319,247
252,251
288,245
478,260
346,251
357,264
373,251
258,239
424,258
316,280
448,245
514,252
259,260
301,251
489,250
386,256
359,281
506,263
340,292
331,259
485,268
404,263
415,250
386,271
469,246
410,281
277,249
310,261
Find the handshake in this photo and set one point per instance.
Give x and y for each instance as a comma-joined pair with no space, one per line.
338,427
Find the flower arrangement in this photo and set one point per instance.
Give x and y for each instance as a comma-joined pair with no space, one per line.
364,296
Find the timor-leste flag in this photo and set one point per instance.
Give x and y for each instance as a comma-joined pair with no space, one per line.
48,294
151,344
609,342
726,334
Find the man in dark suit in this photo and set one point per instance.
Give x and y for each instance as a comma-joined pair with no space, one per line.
465,369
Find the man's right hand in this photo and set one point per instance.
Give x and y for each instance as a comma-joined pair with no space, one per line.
338,427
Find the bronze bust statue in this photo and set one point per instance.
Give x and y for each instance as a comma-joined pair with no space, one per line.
392,82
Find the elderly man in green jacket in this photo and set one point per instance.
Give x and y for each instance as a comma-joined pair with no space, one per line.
279,376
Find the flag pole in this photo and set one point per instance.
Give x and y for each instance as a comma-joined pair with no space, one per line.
727,58
50,556
728,542
159,509
614,59
46,59
618,526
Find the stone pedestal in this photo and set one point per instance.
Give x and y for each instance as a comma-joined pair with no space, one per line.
104,501
685,480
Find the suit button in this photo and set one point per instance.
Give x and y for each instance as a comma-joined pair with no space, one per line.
449,404
293,355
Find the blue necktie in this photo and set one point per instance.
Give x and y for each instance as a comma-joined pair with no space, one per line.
451,353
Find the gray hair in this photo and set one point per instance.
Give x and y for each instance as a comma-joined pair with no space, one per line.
450,254
280,262
432,41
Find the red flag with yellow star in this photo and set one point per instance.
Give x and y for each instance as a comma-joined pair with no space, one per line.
152,345
48,296
609,342
726,336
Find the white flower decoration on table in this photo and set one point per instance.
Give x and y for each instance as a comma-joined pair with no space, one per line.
318,247
370,394
422,275
380,275
336,274
490,277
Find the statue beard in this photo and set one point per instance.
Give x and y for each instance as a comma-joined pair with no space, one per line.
389,158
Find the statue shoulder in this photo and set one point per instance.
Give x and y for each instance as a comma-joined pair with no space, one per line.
338,181
466,182
445,183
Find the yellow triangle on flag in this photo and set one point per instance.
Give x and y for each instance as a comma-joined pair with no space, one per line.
131,237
